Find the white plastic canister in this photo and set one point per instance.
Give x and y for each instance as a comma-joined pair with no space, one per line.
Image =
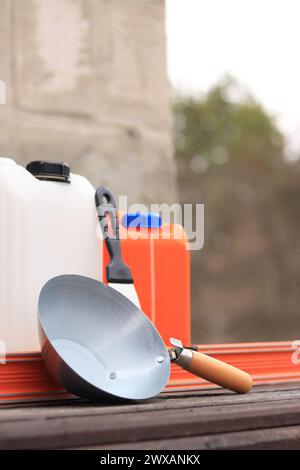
48,228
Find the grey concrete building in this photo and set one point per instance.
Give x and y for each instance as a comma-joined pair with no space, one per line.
86,83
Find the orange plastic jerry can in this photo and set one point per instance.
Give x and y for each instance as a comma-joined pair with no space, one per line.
159,258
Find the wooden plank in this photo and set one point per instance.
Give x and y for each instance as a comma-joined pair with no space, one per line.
71,431
285,438
179,402
170,418
256,389
182,393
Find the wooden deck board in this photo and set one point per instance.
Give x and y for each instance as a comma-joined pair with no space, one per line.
268,417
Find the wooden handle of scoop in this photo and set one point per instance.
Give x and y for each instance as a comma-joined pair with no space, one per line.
219,373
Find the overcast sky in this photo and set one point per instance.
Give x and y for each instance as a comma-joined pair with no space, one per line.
256,41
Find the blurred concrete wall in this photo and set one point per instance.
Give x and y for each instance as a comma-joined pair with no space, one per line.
86,83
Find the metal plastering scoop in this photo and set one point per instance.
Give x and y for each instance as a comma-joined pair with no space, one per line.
97,344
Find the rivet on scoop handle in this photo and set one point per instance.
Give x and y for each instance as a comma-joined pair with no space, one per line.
214,371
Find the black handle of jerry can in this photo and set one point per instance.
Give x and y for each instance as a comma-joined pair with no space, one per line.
116,271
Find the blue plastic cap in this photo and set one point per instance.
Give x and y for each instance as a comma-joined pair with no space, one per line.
138,220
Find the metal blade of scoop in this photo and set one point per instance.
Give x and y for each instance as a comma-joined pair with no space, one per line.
128,290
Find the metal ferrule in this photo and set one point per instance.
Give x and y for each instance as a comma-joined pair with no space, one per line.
184,358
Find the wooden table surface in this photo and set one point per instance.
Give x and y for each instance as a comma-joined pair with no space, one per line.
266,418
